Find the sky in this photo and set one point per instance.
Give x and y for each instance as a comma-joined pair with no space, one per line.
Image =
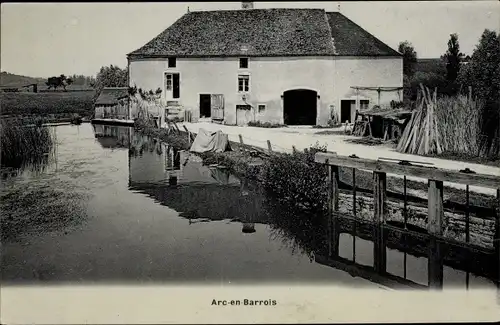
46,39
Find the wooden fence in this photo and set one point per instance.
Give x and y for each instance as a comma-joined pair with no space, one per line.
435,178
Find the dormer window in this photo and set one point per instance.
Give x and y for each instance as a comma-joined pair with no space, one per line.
243,63
172,62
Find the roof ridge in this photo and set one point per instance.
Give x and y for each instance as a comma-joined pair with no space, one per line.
254,9
329,31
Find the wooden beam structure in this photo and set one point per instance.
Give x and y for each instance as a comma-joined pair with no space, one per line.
483,180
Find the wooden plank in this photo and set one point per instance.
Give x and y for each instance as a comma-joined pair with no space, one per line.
379,197
435,265
435,228
435,206
333,207
489,181
497,236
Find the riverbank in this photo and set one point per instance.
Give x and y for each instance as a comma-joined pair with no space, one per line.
280,170
282,140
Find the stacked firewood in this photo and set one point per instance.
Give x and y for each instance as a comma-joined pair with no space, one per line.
421,135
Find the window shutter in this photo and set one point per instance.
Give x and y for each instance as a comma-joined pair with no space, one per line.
176,86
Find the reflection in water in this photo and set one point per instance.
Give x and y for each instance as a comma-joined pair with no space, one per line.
153,213
111,136
206,193
197,192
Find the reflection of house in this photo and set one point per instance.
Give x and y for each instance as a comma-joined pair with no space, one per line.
110,136
112,103
198,192
147,161
291,66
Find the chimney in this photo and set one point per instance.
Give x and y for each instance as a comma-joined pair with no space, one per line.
246,5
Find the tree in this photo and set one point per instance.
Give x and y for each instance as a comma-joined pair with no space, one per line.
111,76
483,70
453,57
61,81
409,57
483,74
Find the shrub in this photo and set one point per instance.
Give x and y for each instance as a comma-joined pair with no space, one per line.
296,179
265,124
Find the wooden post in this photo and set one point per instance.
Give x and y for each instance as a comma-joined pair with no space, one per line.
269,147
435,229
241,142
333,207
379,206
497,237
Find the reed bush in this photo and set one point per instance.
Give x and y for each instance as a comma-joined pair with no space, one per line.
24,144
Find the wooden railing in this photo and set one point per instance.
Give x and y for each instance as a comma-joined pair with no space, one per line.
435,177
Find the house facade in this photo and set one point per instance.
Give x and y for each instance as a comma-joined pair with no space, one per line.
286,66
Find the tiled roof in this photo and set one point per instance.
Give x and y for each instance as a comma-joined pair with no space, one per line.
270,32
349,39
111,95
263,32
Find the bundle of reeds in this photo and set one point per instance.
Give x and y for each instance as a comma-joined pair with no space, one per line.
458,122
421,135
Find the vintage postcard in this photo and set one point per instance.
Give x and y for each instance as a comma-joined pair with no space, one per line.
250,162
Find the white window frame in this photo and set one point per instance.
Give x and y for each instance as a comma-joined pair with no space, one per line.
247,78
258,107
164,91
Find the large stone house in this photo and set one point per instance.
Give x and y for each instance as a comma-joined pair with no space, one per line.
286,66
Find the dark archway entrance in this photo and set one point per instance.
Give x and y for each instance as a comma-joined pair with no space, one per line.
300,107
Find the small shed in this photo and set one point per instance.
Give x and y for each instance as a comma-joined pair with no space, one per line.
381,123
112,103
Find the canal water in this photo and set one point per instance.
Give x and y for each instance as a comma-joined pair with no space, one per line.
114,206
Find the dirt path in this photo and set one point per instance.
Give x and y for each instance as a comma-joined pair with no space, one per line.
282,139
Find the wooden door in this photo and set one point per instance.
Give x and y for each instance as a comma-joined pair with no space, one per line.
243,114
217,105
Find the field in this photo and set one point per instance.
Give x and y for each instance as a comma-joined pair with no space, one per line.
47,104
431,66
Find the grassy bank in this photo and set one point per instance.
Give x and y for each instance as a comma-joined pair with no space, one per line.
50,105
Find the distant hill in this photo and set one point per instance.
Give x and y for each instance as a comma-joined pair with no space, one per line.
10,80
14,80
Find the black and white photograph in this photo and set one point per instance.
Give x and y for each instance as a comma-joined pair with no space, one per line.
230,144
